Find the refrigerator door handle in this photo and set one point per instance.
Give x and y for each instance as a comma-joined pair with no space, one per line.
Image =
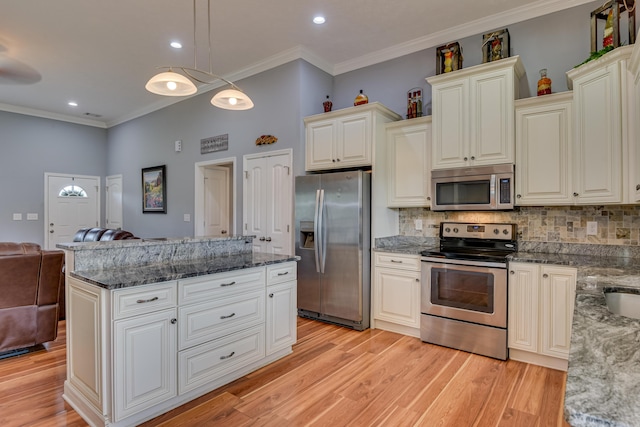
321,236
316,232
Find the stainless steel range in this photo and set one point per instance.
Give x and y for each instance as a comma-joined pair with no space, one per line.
464,288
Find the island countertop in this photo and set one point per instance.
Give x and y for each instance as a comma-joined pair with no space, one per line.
116,278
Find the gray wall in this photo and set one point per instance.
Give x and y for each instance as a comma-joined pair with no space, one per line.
31,146
283,97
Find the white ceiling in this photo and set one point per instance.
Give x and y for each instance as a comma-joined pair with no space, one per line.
100,53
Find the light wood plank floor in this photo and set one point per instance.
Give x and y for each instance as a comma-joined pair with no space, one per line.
335,377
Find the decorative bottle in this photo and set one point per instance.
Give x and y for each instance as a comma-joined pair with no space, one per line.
327,105
544,84
361,99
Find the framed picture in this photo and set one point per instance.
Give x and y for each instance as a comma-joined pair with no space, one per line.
448,58
495,45
154,190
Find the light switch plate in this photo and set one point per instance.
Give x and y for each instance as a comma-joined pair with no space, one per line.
418,224
187,217
592,228
32,217
17,217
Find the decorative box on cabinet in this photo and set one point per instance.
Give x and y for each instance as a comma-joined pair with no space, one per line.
345,138
473,120
544,173
541,301
409,163
396,293
601,125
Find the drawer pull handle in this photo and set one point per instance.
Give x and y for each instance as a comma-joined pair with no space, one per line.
226,317
228,284
397,262
283,274
226,357
142,301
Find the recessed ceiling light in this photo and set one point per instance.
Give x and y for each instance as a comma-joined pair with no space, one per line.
176,45
319,20
73,103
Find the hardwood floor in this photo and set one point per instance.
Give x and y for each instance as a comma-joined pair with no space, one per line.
335,377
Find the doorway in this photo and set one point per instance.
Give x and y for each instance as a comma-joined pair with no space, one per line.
113,208
215,198
71,202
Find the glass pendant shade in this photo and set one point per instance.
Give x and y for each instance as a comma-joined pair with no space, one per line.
232,99
171,83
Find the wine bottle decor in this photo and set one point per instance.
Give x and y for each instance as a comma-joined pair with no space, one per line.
361,99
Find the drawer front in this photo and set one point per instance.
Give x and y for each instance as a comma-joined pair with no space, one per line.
200,323
400,261
144,299
203,288
205,363
280,273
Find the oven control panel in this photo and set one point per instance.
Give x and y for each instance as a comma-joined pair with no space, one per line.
478,231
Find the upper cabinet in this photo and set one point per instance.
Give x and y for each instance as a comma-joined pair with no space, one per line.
601,128
345,138
409,163
634,112
473,114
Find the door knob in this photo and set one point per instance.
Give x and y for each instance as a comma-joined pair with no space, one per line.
268,239
223,232
51,231
51,224
262,239
174,321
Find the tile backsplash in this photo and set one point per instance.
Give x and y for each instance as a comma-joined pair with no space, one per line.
617,225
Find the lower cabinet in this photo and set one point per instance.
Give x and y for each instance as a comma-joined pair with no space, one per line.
396,293
541,301
137,352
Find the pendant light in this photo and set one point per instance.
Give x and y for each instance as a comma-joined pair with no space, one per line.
171,83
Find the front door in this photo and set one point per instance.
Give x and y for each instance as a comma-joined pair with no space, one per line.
72,202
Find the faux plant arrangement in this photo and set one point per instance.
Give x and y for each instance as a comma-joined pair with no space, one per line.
596,55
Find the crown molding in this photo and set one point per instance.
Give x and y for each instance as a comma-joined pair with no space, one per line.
508,17
53,116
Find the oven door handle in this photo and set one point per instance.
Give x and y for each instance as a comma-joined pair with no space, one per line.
464,262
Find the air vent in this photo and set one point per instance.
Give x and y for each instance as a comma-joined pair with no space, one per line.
95,116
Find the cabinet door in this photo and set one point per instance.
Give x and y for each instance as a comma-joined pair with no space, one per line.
523,306
598,161
450,124
353,146
491,135
557,299
397,296
281,316
320,145
144,362
543,143
409,174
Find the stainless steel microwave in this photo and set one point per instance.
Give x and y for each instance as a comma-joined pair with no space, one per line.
482,188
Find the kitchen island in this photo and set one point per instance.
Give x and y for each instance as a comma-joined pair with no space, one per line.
153,324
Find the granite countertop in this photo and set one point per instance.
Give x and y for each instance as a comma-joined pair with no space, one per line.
404,244
147,241
141,275
603,379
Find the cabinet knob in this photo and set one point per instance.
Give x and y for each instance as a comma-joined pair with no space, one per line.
465,159
575,194
417,280
637,187
518,196
270,295
428,198
512,272
337,160
473,157
545,275
174,321
333,160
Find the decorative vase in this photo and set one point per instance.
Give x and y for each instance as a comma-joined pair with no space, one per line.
361,99
544,84
327,105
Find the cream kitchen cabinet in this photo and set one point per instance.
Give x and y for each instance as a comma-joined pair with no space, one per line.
473,114
137,352
541,301
396,293
409,163
601,124
544,150
345,138
634,111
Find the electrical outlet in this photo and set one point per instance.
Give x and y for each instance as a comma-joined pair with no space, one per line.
418,224
592,228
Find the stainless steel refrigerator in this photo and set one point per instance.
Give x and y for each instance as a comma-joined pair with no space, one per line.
333,231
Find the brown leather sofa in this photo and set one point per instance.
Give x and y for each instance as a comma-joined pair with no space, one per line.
30,280
101,235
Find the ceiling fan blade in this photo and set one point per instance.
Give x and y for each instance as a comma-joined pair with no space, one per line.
14,72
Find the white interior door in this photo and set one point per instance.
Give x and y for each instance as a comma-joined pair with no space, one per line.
113,188
268,193
71,203
216,200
